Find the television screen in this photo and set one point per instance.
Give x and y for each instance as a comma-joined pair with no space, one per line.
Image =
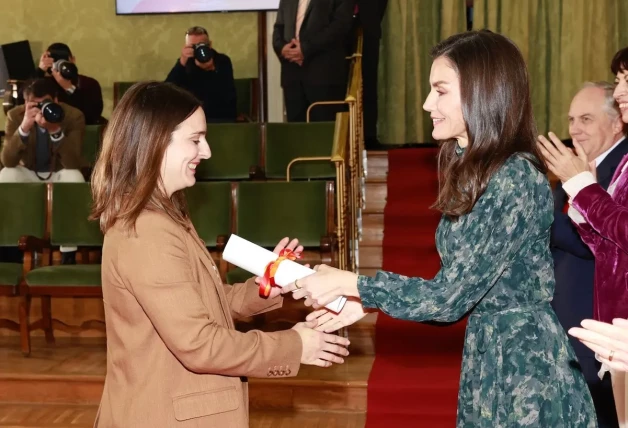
130,7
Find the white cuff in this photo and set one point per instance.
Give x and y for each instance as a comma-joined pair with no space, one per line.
22,133
59,138
578,182
575,215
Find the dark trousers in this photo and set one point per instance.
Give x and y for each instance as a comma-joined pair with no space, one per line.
298,97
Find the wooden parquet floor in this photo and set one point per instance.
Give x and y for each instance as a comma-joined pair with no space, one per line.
59,386
81,416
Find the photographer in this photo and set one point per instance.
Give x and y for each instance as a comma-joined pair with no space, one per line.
208,75
75,89
43,142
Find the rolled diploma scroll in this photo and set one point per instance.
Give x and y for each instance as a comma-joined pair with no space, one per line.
253,258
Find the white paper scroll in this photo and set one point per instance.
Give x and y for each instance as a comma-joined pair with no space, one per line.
254,259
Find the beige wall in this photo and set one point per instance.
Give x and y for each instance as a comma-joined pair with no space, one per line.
124,48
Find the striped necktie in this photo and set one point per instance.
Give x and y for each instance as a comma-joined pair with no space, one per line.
300,15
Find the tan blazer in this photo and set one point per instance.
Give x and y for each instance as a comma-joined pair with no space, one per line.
67,153
174,358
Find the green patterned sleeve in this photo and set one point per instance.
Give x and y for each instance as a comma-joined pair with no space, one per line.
492,235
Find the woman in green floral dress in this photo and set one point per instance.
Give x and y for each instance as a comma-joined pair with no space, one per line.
518,368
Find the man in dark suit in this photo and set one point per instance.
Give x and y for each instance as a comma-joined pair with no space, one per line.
309,38
371,14
595,122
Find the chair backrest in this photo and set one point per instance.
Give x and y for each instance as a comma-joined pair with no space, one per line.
270,211
287,141
71,205
209,205
22,212
235,149
119,88
91,143
246,97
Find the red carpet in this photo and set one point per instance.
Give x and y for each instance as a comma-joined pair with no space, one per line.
414,381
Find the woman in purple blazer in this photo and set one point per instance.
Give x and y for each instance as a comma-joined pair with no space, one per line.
602,220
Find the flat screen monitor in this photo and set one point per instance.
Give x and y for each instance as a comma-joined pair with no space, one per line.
18,59
131,7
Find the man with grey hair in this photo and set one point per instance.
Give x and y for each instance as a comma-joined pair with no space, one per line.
595,123
207,74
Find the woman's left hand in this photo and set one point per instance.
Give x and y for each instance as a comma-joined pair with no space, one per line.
608,341
561,160
324,286
283,244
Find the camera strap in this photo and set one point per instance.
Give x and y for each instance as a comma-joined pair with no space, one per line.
52,161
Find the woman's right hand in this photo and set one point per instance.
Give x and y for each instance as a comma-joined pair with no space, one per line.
320,349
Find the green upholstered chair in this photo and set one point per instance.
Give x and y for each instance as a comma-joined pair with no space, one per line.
246,92
23,213
71,204
270,211
287,141
210,208
119,88
235,149
92,142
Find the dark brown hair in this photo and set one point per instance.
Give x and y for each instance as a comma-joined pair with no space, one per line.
127,175
497,112
40,87
620,61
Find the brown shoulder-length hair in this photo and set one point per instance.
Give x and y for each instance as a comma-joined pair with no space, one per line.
127,176
497,111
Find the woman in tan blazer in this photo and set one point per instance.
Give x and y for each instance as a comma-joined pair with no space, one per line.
174,358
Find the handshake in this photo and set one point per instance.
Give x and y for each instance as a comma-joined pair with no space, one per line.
331,291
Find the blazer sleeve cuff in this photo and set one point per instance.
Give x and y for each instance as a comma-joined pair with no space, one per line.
578,182
575,216
286,360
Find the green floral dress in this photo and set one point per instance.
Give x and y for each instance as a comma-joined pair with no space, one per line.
518,368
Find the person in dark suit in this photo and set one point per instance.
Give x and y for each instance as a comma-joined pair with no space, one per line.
371,14
595,123
309,39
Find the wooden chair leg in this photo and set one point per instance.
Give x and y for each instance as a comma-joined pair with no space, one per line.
24,315
46,315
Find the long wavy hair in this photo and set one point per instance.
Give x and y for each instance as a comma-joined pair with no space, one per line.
127,175
497,111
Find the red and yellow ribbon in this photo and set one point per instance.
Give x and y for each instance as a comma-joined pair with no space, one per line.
268,280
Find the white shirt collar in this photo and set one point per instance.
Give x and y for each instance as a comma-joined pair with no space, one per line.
600,158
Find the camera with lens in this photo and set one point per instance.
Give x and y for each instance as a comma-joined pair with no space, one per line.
203,53
52,112
63,65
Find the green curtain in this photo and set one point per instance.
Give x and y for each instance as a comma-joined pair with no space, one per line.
564,42
410,29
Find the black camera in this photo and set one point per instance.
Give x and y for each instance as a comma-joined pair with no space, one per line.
63,65
67,69
52,112
203,53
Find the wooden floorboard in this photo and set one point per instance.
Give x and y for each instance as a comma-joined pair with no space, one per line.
18,415
73,371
